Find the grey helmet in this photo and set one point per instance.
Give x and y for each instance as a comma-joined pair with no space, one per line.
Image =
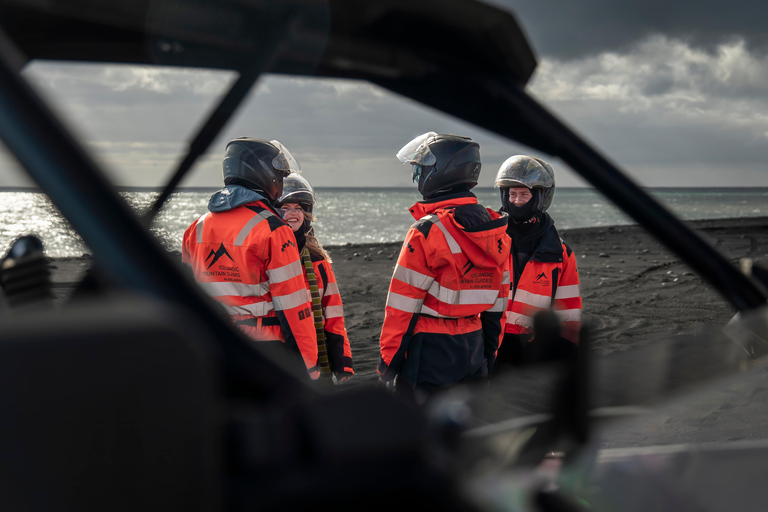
296,189
260,163
442,163
531,172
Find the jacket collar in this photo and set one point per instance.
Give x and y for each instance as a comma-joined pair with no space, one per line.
550,246
233,196
429,206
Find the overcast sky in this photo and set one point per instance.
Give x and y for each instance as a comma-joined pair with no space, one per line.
675,93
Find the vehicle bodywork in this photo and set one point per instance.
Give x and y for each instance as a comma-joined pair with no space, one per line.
152,400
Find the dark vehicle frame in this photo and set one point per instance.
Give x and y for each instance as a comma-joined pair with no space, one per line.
151,399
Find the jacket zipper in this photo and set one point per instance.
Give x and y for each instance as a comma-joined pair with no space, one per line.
555,275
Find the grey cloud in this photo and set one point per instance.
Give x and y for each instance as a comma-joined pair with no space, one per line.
343,131
566,29
667,111
659,82
660,106
662,139
352,130
108,103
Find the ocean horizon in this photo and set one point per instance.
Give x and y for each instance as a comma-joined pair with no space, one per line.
362,215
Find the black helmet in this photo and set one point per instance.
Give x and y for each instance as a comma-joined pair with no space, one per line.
296,189
531,172
442,163
260,163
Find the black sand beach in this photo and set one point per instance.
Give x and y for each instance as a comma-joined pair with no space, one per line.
634,290
635,293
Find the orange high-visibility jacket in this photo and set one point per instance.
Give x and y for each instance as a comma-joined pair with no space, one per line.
448,281
550,280
246,258
336,340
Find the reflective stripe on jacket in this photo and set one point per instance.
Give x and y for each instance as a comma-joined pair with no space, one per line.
544,285
336,340
448,280
246,259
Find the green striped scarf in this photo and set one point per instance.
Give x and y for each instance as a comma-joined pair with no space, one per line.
317,310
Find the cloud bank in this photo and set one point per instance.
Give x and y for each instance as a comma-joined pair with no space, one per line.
673,109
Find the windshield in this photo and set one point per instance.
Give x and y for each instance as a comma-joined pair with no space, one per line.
624,309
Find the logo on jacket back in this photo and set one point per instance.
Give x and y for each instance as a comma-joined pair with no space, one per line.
542,279
469,266
221,251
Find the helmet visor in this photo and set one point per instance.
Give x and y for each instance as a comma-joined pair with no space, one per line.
417,151
297,189
284,160
520,171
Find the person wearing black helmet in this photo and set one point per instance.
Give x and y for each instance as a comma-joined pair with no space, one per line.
445,308
244,254
544,273
296,204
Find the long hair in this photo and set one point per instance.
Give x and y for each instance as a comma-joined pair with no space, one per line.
311,242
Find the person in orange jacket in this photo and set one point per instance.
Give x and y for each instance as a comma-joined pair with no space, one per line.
445,309
544,273
244,254
296,204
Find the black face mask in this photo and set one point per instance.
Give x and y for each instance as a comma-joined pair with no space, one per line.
522,213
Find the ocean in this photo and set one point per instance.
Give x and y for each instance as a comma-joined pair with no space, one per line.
359,216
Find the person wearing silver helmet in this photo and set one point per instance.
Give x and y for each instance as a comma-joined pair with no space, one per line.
244,254
296,204
543,267
445,308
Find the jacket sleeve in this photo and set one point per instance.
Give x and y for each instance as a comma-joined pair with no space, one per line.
186,257
567,303
495,319
337,342
410,281
285,275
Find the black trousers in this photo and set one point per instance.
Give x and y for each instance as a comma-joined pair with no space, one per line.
519,349
435,361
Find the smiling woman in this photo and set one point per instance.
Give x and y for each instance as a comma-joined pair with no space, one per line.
334,353
294,215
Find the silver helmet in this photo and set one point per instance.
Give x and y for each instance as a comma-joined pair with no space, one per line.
296,189
531,172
